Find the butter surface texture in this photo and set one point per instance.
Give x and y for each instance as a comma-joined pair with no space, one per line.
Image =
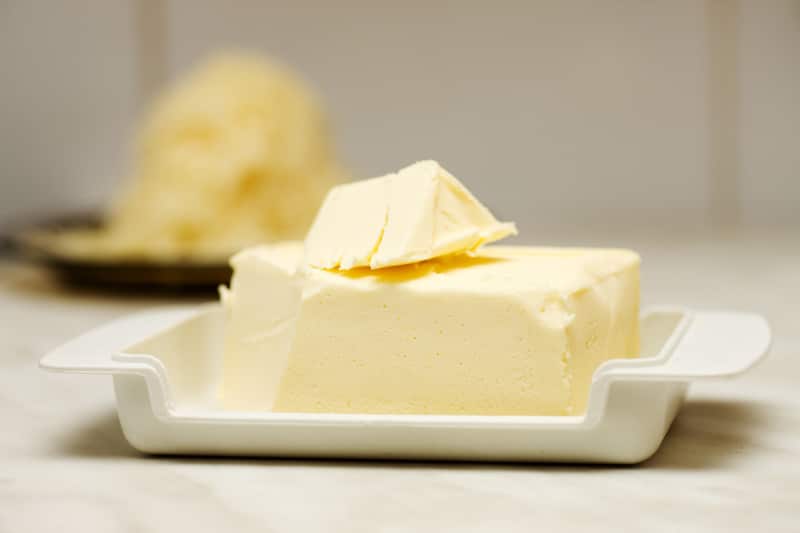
506,330
418,213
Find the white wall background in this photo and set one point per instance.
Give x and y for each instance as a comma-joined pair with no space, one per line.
68,87
664,112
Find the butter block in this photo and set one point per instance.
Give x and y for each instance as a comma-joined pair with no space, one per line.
505,331
418,213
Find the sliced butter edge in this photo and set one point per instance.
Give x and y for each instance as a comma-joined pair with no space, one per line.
418,213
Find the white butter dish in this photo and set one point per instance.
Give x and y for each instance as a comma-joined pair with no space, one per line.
166,367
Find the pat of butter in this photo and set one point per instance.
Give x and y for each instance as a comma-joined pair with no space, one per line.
419,213
506,330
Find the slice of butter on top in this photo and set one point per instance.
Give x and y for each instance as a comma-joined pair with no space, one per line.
349,225
418,213
431,214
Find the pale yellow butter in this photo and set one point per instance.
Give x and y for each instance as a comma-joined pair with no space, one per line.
235,153
506,330
262,306
418,213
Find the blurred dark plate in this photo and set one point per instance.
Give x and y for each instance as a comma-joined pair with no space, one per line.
134,274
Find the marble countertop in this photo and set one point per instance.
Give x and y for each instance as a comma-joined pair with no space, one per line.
731,461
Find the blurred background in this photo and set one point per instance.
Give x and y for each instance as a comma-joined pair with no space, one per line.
663,113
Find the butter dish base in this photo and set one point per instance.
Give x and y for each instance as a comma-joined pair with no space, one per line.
166,366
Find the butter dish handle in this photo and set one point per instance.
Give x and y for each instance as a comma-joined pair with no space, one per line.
94,352
715,344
